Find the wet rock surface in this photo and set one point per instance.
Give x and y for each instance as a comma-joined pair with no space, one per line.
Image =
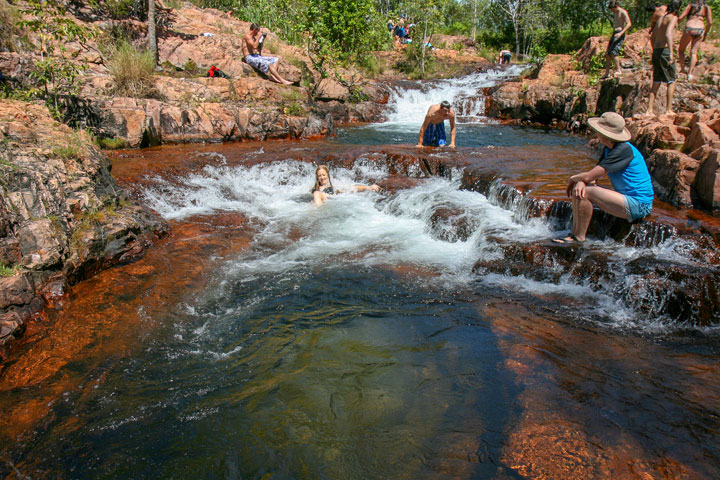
62,217
622,261
680,148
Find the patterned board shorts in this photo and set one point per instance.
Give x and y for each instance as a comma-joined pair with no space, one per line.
260,62
615,45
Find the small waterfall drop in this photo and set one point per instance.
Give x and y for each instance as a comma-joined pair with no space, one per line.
409,105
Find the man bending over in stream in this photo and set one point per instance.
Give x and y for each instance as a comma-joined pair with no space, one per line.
432,132
251,48
625,166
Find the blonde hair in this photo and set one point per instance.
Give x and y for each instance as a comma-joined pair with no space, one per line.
317,184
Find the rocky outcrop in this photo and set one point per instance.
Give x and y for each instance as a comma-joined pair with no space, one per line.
62,218
680,148
681,152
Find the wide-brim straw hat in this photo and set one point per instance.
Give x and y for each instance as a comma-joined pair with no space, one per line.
611,125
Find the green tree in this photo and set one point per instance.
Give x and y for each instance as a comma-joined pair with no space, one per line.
56,71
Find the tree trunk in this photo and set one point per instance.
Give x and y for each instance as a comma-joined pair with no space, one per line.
474,30
152,36
422,63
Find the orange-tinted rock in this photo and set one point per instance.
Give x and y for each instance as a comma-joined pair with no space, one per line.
671,137
700,135
707,182
329,89
673,174
683,119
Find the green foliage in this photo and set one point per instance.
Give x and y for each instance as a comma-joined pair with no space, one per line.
9,27
343,29
538,54
56,72
294,109
112,143
8,271
133,71
191,68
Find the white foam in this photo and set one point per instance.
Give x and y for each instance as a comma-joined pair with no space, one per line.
408,106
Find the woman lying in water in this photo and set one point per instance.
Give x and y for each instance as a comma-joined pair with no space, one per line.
323,186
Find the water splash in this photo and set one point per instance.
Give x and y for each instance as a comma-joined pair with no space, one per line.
408,106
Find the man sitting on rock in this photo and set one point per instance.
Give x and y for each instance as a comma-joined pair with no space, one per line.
662,58
625,166
251,48
622,24
432,132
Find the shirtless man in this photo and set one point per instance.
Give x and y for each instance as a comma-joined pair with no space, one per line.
662,58
432,132
658,12
251,55
622,24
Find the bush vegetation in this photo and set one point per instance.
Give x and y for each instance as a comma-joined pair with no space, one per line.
133,71
9,31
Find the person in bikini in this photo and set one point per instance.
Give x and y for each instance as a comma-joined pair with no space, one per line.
622,24
625,166
662,57
432,132
324,187
251,48
699,22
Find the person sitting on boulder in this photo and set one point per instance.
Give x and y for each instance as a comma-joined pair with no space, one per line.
622,24
625,166
251,49
432,132
662,57
324,187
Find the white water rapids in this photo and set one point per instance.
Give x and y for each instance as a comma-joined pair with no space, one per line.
403,229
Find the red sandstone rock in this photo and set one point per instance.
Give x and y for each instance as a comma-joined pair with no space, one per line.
671,137
329,89
707,181
700,135
673,174
683,119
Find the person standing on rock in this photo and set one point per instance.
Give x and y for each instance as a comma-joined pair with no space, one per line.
251,47
697,13
625,166
662,56
432,132
657,13
622,24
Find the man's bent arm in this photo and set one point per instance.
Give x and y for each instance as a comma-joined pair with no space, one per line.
422,130
452,131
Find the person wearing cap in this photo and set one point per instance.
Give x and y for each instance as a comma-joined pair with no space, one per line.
432,132
625,166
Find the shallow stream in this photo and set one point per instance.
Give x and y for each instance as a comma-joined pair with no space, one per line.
268,338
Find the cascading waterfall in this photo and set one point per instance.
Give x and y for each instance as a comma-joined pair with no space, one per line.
409,106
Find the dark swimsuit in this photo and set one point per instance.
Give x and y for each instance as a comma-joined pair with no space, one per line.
328,191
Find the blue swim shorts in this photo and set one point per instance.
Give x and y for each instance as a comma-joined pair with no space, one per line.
635,210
